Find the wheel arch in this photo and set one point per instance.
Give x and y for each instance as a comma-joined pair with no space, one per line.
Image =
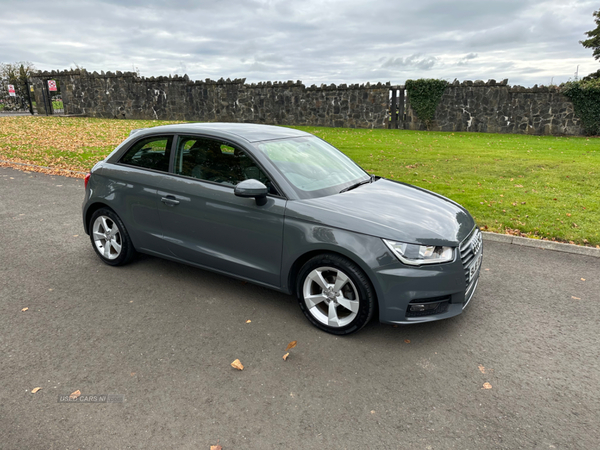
292,276
91,209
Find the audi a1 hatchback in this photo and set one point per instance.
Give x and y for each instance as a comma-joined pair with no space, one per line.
286,210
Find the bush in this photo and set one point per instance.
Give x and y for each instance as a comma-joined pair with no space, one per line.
585,95
424,96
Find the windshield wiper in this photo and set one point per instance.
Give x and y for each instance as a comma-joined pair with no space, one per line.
360,183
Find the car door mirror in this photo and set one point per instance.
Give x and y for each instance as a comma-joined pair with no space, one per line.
252,188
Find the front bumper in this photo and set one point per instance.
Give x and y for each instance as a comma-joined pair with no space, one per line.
434,292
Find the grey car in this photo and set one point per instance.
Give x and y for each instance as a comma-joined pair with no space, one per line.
284,209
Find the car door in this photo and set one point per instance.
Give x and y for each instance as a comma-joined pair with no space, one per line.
132,189
203,221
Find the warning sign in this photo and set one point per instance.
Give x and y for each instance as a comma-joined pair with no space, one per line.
11,90
51,85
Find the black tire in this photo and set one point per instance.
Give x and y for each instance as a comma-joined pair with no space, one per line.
330,266
106,219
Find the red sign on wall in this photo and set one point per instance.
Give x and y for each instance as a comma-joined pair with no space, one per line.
51,85
11,90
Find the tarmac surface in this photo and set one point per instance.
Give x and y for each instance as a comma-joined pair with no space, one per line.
160,337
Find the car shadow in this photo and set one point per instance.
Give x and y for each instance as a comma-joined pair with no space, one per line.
245,299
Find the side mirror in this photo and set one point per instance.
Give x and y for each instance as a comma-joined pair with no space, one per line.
252,188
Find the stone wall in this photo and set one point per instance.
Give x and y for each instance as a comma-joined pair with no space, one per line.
125,95
468,106
499,108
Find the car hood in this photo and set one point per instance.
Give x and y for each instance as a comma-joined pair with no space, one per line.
389,210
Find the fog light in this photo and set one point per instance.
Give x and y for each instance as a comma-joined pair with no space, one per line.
420,307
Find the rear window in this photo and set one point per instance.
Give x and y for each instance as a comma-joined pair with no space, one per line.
150,153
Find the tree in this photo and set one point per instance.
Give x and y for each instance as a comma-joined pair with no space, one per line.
594,37
16,72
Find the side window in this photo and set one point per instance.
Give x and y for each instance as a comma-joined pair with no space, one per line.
212,160
150,153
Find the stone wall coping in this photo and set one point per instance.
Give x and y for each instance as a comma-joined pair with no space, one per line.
242,81
185,79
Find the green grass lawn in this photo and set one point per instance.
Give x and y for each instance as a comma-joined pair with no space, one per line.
545,187
541,186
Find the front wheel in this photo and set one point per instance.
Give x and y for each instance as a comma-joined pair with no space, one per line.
335,294
110,238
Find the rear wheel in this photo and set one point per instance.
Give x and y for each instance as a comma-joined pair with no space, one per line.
110,238
335,294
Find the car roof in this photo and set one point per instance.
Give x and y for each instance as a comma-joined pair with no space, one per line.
250,132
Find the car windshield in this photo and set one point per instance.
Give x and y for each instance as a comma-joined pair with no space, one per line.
312,166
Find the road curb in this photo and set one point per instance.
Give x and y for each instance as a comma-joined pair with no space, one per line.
538,243
10,164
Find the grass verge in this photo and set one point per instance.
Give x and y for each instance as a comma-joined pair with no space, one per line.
537,186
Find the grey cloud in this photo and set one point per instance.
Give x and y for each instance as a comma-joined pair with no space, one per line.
465,59
411,62
315,41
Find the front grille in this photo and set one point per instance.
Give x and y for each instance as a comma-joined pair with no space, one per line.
437,305
470,248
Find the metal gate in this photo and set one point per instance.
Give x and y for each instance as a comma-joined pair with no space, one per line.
397,107
51,97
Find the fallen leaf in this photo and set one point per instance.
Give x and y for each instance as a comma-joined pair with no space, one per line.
372,411
486,386
291,345
583,279
216,447
487,269
24,309
75,394
237,365
568,215
248,321
34,390
407,341
575,298
285,357
132,373
481,368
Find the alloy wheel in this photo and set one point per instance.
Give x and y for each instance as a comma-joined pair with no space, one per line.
331,297
107,237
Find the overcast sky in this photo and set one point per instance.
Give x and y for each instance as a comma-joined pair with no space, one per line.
326,41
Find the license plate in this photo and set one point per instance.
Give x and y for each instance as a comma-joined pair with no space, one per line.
474,268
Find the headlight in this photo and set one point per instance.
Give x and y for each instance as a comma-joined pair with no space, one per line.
416,255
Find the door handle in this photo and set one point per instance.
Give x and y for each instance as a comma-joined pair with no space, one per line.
170,200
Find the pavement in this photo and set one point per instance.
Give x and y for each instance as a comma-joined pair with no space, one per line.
160,337
14,113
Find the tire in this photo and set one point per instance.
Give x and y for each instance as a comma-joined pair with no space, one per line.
105,223
335,294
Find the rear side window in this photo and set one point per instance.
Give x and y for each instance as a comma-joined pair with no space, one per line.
150,153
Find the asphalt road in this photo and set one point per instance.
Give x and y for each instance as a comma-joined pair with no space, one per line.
163,335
